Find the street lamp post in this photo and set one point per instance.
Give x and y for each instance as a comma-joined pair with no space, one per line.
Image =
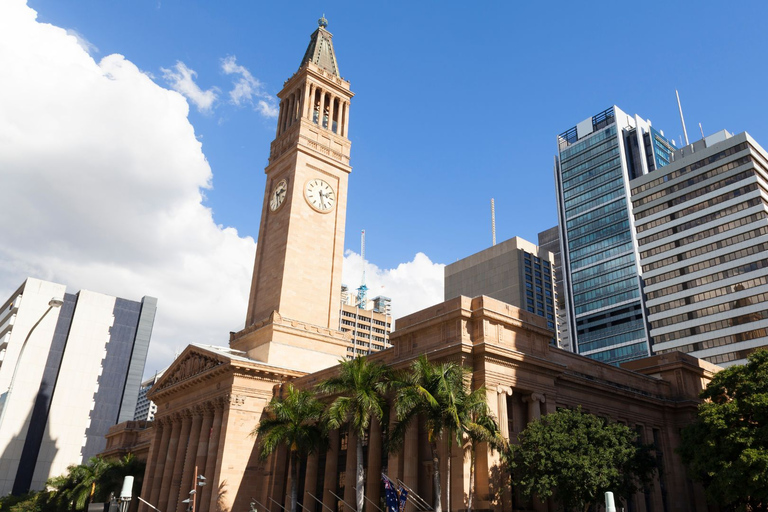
192,500
53,303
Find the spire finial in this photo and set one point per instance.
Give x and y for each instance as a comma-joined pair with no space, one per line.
322,22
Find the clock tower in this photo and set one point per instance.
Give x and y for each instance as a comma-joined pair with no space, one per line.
293,309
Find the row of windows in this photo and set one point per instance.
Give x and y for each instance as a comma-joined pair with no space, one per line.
709,294
701,235
608,301
612,340
725,258
618,227
609,289
608,220
696,165
611,196
719,308
602,280
719,214
720,324
597,213
618,354
590,196
608,171
601,268
730,356
702,345
588,159
578,260
685,184
698,192
588,143
711,278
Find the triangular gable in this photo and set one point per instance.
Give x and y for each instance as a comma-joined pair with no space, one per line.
192,362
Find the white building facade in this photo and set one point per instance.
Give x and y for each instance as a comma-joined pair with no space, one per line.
71,368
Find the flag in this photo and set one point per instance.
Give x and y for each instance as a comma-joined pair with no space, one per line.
403,497
390,493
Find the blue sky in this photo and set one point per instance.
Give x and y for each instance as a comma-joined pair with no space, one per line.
455,102
131,167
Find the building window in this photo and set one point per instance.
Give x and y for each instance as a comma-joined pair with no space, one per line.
531,309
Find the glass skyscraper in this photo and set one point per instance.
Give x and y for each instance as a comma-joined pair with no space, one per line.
603,290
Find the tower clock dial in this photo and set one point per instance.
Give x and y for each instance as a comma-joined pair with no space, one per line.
320,195
277,198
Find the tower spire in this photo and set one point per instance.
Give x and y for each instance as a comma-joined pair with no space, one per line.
320,49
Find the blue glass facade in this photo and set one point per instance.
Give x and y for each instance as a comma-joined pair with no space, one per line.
604,298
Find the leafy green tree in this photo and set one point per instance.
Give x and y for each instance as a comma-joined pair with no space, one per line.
292,419
92,482
479,426
576,457
361,386
433,392
726,448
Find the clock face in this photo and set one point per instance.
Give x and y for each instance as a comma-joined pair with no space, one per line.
277,198
320,195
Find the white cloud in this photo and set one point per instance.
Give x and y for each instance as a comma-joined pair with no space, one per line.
182,80
246,89
412,286
102,181
82,41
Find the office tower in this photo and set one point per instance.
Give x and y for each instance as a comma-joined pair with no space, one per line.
146,408
369,326
702,228
71,368
549,240
515,271
596,160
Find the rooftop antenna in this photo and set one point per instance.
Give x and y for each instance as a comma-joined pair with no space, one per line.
701,130
362,292
682,120
493,222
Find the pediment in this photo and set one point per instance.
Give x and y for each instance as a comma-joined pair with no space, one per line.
192,362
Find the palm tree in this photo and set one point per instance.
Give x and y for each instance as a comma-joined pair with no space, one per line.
292,419
479,425
361,386
435,392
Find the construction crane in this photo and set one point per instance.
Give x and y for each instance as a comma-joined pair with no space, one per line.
362,291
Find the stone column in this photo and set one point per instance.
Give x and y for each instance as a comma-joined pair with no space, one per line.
152,463
331,110
411,459
503,414
178,465
331,470
170,459
310,481
351,468
188,477
203,438
534,401
373,483
393,458
306,106
206,503
346,118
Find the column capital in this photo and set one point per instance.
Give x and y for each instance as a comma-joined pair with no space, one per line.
504,390
534,397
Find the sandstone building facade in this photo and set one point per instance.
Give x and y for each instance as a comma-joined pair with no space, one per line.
211,398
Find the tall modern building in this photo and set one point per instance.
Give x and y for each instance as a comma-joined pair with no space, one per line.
71,368
515,271
702,227
146,408
549,240
368,323
603,289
